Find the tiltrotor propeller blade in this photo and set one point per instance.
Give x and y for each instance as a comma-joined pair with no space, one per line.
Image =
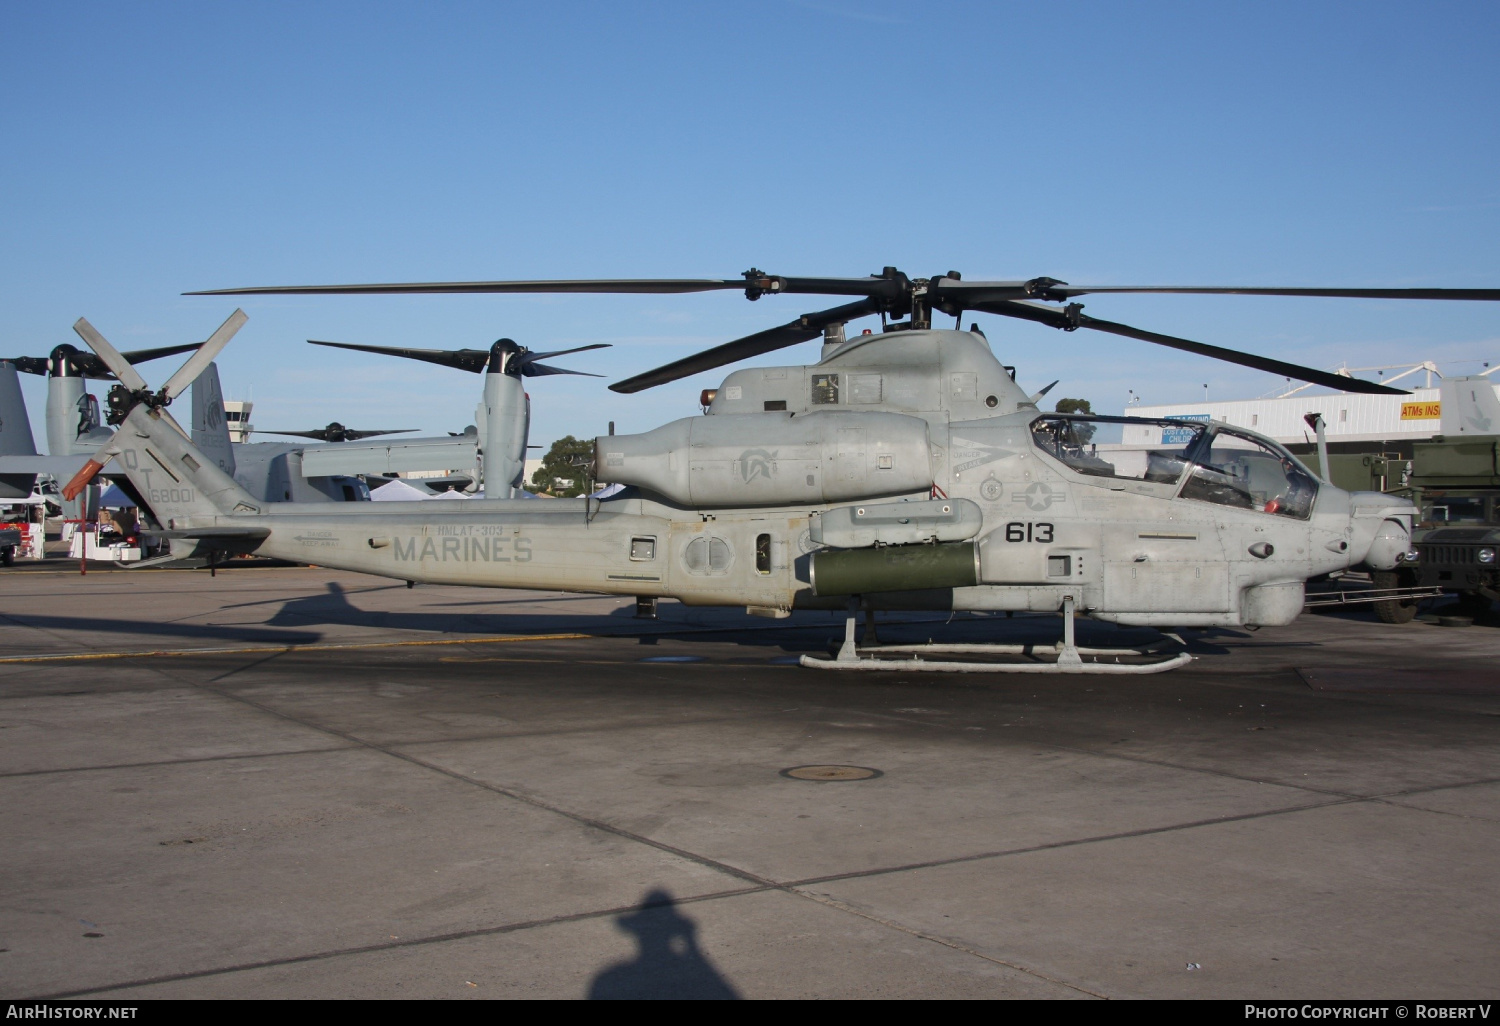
473,360
336,432
530,357
87,365
110,355
1072,318
199,361
803,329
542,370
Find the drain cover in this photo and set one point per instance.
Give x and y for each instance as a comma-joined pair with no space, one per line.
826,773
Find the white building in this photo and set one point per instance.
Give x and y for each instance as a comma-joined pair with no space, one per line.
1347,416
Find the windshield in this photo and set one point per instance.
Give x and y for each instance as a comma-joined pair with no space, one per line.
1080,443
1228,468
1439,508
1231,469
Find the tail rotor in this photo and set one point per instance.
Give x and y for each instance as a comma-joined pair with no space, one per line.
133,389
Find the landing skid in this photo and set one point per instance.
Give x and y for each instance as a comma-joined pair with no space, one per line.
1064,657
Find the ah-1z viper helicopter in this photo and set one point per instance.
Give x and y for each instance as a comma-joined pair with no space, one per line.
905,470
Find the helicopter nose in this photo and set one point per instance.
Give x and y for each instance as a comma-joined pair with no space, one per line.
1390,545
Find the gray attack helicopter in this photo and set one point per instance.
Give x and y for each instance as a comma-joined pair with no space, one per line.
904,470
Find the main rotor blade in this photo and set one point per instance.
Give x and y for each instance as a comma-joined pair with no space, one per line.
803,329
128,375
892,285
1060,319
529,357
199,361
951,294
472,360
1491,295
611,285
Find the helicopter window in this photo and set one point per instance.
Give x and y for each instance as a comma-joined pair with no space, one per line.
1078,442
1231,469
825,389
1450,509
763,553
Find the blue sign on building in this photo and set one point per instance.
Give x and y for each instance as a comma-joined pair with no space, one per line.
1181,436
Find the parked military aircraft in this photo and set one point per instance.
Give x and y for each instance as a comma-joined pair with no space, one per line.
503,415
905,470
72,417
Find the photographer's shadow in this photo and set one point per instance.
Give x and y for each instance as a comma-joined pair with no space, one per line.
668,963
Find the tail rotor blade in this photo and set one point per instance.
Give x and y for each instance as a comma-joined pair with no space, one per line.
112,357
199,361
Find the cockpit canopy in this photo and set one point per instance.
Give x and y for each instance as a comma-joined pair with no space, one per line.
1207,462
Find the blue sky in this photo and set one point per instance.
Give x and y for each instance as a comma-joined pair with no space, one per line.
154,148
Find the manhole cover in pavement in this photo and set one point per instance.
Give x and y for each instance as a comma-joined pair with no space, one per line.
825,773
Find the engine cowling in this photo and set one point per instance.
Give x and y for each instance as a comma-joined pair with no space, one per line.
755,459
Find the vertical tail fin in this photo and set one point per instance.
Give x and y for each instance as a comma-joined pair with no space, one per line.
15,427
15,432
1470,407
176,478
210,426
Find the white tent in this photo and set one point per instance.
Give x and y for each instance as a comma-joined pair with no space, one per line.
397,490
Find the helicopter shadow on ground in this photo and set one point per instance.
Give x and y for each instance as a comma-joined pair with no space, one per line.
100,625
334,606
668,963
804,631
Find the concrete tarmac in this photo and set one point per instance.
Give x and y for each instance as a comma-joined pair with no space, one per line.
300,782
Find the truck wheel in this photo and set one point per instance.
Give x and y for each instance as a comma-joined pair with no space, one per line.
8,557
1393,610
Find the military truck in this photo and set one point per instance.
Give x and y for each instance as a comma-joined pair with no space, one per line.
1454,477
1456,482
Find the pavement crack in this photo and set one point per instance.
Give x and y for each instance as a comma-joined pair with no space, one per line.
954,945
365,949
175,762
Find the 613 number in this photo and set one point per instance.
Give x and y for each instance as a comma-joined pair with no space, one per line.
1027,532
